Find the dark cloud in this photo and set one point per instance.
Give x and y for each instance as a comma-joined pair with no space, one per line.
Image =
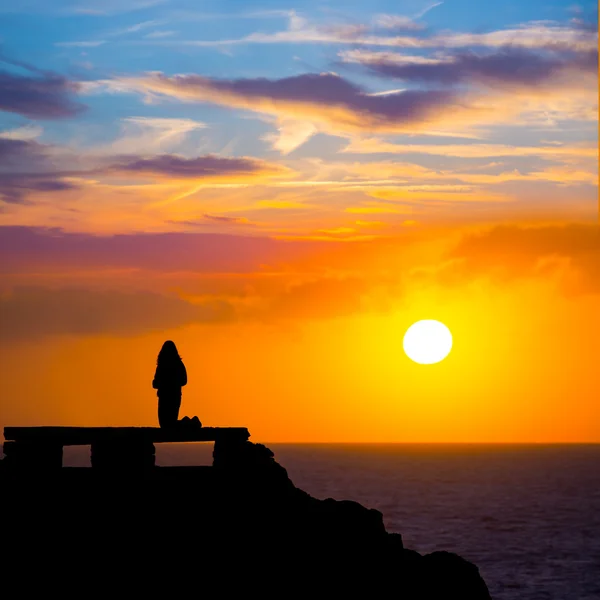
508,66
15,152
202,166
224,219
25,167
38,94
325,95
29,313
15,188
324,87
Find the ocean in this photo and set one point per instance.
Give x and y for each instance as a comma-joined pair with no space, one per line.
527,515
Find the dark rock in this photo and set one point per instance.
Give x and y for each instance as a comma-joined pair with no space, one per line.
240,527
447,571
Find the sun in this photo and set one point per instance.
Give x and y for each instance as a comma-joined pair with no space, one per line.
427,342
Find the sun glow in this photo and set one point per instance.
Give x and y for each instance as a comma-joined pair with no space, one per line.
427,342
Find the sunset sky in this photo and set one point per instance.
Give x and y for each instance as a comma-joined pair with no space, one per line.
282,190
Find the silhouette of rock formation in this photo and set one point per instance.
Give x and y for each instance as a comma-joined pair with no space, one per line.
239,527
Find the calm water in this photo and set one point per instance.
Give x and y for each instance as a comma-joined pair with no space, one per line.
528,516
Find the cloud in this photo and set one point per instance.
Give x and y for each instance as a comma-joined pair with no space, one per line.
533,242
431,6
533,92
367,57
508,66
39,95
26,249
15,188
513,251
281,204
324,99
375,146
135,28
397,22
147,135
374,209
291,134
160,34
224,219
116,33
29,313
81,44
110,7
209,166
437,194
323,297
25,132
534,34
26,167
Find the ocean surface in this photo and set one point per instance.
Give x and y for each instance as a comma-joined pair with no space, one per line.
528,516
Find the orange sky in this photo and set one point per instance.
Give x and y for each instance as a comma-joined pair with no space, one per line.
314,353
283,193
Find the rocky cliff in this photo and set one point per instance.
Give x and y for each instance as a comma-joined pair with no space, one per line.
239,527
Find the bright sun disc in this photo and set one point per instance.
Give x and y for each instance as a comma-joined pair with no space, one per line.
427,342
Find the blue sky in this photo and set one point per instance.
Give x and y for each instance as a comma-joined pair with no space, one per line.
128,66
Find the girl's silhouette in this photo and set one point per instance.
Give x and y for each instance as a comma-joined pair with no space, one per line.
169,378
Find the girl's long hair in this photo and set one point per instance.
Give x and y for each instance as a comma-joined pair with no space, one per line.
168,354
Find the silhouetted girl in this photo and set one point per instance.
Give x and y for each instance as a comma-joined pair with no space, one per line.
169,378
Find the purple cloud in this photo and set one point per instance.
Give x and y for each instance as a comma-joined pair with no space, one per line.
509,66
224,219
24,168
201,166
15,188
27,166
24,248
38,95
348,104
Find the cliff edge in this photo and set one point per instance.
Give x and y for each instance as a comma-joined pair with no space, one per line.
239,527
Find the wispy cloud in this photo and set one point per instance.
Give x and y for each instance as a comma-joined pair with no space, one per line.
509,66
155,35
226,219
106,36
375,146
110,7
534,34
25,132
423,12
135,28
149,135
290,135
81,44
366,57
397,22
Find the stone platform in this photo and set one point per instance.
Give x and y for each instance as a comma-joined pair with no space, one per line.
111,447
